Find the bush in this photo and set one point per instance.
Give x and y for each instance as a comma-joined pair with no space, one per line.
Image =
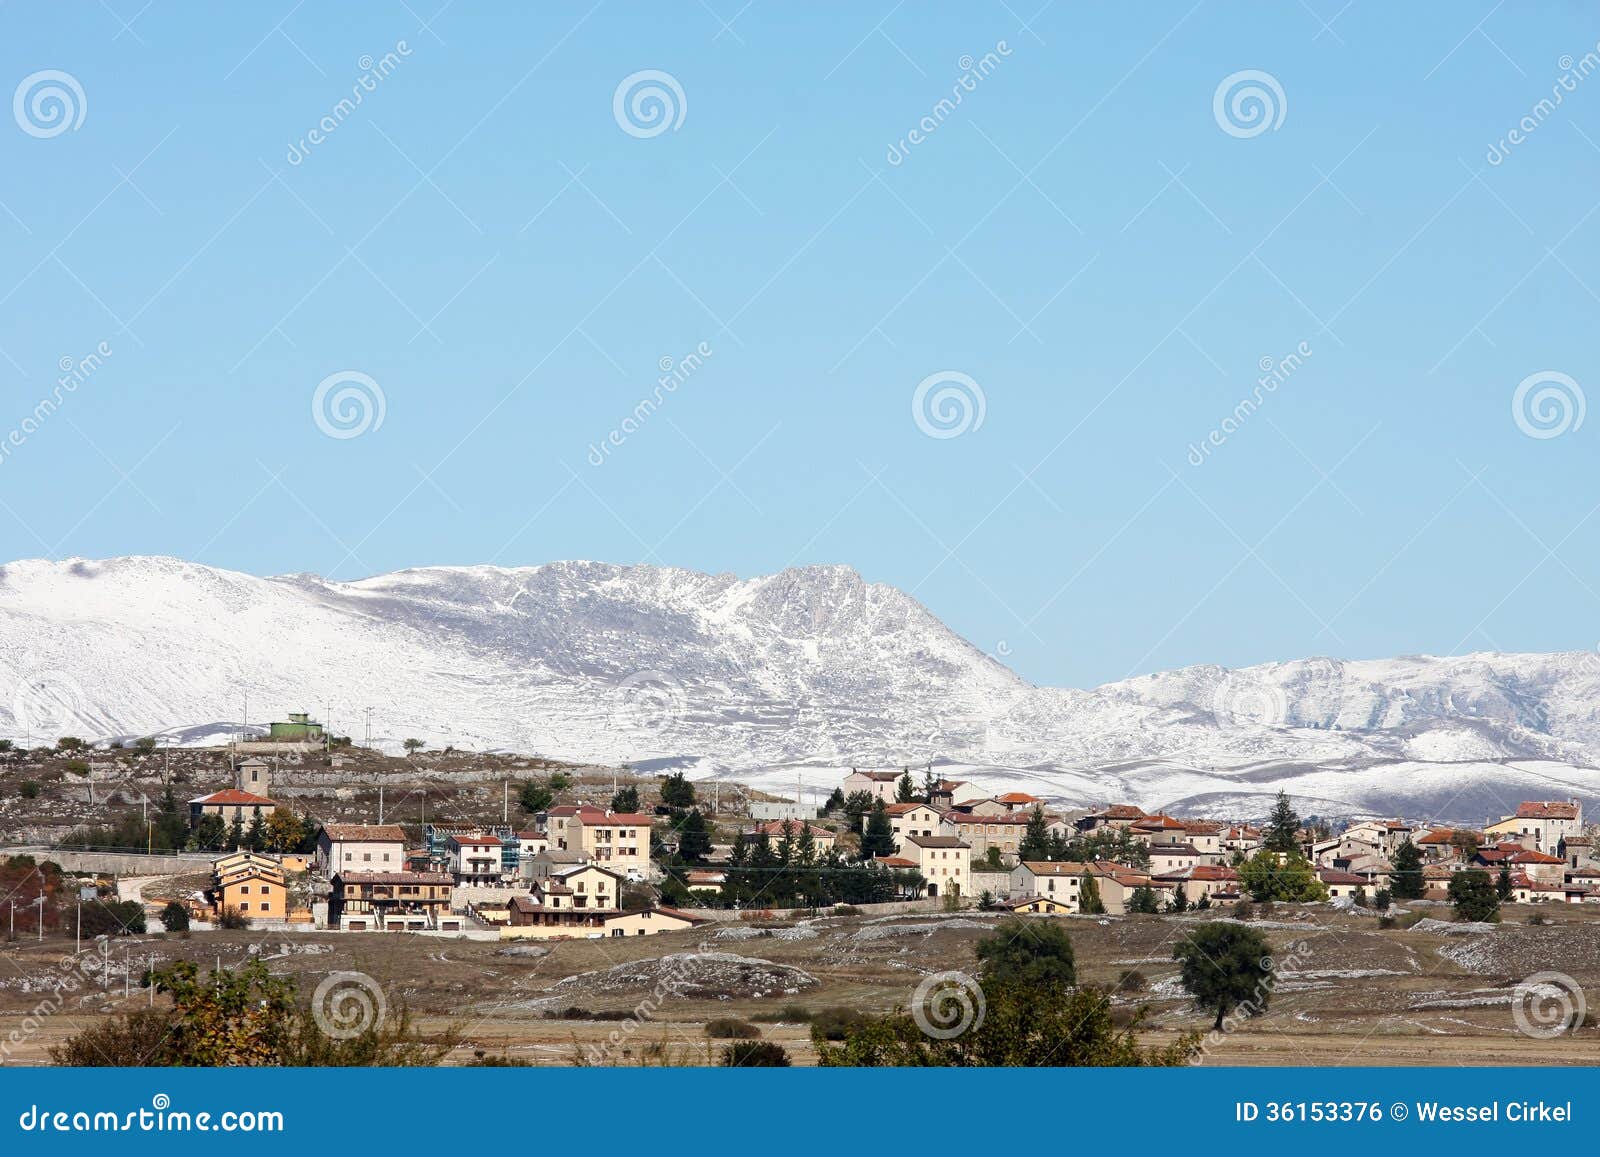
175,917
835,1023
232,918
731,1028
1132,980
29,789
846,910
112,917
1244,910
754,1054
788,1014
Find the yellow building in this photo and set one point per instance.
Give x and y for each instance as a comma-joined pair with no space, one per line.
251,884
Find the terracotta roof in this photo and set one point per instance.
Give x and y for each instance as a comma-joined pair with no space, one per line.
900,809
896,862
879,776
1057,867
1123,811
1202,827
778,827
1174,850
1334,876
232,796
474,839
1024,901
1017,797
1447,836
956,816
1546,810
1158,822
369,833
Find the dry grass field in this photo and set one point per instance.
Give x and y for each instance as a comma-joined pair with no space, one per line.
1351,993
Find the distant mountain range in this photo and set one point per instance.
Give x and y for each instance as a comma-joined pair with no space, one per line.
766,679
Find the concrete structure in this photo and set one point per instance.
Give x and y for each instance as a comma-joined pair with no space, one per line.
393,902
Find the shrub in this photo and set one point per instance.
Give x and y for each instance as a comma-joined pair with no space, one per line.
175,917
846,910
1244,910
232,918
731,1028
112,917
1132,980
753,1054
29,789
835,1023
788,1014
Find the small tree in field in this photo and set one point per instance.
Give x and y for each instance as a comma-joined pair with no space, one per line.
1226,966
175,917
1405,881
1089,902
413,746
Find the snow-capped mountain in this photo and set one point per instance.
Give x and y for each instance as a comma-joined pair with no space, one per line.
767,680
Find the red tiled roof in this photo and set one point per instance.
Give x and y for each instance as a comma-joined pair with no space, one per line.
1017,797
896,862
1546,810
1334,876
232,796
900,809
1123,811
778,827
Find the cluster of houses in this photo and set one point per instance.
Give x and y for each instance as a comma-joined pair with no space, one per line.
564,879
968,843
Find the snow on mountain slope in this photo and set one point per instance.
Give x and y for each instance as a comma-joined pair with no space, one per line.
766,678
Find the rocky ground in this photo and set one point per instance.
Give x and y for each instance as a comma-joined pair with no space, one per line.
1351,993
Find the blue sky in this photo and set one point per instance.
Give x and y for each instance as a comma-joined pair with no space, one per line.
1081,237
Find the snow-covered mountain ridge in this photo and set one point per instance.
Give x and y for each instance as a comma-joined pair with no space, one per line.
749,679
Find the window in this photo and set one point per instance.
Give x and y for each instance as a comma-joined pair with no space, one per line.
265,905
366,857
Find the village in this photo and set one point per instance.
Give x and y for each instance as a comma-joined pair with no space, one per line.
520,907
608,867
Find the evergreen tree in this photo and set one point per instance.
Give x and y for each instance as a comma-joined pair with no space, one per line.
1180,901
1283,828
835,802
1502,886
236,831
905,790
878,837
1405,880
694,840
1474,896
1036,837
1089,902
256,837
1289,876
930,784
535,796
626,799
1144,901
677,792
856,806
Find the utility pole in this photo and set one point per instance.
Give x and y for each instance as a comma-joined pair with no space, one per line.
380,803
79,947
367,742
40,902
505,801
